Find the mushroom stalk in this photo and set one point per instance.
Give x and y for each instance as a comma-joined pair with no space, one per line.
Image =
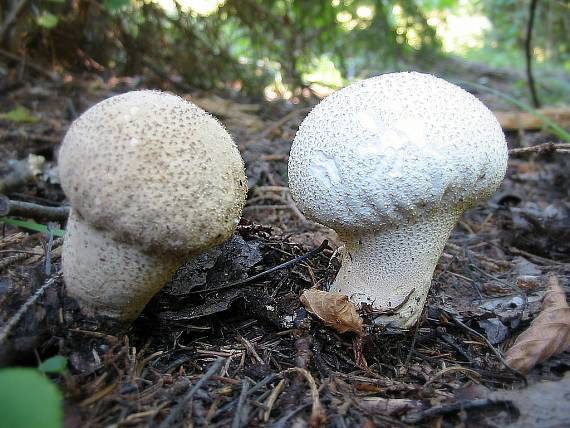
391,270
122,278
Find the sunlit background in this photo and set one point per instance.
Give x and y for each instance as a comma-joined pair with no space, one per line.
288,49
462,28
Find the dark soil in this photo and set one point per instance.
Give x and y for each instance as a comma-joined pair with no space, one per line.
266,350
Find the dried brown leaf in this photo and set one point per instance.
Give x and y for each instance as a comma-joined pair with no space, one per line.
547,335
332,309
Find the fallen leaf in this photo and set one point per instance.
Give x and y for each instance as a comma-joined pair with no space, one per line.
333,310
548,334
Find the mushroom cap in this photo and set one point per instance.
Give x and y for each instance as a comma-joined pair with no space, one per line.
393,148
155,171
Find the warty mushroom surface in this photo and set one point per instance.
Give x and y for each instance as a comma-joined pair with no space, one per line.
152,179
390,163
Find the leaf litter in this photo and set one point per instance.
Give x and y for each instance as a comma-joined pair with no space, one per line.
548,334
138,379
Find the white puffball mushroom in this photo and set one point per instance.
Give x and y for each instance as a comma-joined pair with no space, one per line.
152,179
390,163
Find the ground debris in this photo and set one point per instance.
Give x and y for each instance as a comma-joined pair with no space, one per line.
540,405
548,334
241,302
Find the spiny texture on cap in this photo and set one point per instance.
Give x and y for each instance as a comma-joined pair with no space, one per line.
153,169
391,148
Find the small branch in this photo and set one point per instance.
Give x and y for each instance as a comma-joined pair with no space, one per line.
280,122
22,255
528,53
11,19
31,210
489,344
452,369
27,136
180,85
481,403
181,406
13,321
542,149
238,420
318,416
37,68
287,264
272,399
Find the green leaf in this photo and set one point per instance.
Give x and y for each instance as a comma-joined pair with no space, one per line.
113,5
57,1
19,114
56,364
47,20
30,225
28,399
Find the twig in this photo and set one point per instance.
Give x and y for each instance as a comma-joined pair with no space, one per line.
318,415
412,345
272,399
282,423
28,136
37,68
266,380
542,149
484,339
180,85
250,348
445,409
175,413
26,252
31,210
11,18
239,419
451,369
528,53
285,265
13,321
452,343
280,122
537,259
9,261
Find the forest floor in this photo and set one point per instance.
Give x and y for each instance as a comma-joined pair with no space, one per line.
250,355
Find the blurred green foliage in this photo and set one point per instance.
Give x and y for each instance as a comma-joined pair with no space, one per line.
19,114
29,399
253,42
551,32
250,44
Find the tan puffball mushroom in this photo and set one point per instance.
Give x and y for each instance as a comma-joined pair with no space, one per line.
152,179
390,163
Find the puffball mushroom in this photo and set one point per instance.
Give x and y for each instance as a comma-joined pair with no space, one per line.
152,179
390,163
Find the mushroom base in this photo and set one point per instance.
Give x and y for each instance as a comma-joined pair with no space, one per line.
391,270
107,278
